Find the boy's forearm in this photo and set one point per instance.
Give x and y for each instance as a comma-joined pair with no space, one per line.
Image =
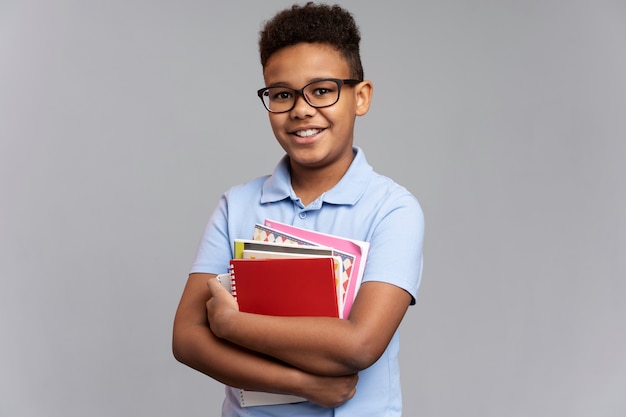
232,365
322,345
317,349
195,345
237,367
319,345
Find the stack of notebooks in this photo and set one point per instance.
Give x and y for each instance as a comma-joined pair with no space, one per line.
289,271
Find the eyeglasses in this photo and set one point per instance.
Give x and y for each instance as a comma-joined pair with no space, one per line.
318,94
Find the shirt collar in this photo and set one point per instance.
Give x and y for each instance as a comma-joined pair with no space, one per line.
347,191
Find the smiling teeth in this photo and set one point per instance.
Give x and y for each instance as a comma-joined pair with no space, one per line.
307,133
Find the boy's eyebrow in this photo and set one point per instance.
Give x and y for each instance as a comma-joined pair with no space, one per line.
311,80
278,84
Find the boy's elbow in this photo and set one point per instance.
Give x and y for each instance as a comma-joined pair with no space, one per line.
366,354
366,360
177,351
180,348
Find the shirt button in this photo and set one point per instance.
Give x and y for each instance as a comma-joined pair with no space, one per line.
302,215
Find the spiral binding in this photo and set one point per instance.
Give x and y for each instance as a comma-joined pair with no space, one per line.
233,283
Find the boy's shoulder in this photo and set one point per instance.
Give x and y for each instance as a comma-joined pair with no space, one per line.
390,193
272,186
378,185
252,185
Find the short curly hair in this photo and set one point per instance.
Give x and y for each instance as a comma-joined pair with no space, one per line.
313,23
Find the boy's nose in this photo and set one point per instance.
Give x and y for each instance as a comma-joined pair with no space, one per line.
301,108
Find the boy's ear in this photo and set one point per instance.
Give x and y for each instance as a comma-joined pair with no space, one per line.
363,92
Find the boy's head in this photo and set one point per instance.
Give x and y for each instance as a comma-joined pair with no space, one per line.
329,25
314,89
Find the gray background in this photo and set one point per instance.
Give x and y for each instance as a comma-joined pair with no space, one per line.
121,122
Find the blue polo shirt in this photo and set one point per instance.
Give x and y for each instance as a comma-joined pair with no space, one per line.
363,205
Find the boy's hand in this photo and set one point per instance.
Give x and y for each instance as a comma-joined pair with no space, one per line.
220,306
327,391
330,391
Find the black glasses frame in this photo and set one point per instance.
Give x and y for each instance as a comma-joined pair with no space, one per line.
340,83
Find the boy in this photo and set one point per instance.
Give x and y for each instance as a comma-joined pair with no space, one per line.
343,367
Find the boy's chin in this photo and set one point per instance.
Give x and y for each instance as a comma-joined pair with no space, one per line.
314,160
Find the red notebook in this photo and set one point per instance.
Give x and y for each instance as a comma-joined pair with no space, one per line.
285,286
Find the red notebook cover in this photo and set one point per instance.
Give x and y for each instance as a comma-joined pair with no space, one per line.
285,287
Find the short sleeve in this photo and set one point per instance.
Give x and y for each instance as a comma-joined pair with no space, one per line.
214,250
396,245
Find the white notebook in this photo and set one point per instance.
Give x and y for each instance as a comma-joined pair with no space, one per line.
254,398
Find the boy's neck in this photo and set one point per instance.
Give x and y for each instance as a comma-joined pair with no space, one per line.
310,183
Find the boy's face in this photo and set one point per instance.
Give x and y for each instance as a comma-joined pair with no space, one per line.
315,137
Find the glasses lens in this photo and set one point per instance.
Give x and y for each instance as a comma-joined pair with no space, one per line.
322,93
278,99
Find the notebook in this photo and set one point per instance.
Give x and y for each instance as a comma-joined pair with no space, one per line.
285,286
243,246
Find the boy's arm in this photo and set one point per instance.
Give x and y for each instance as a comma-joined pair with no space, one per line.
320,345
195,345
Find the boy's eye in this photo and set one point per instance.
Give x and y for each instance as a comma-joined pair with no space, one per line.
321,91
321,88
280,95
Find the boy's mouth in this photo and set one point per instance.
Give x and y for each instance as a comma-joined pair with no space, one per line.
307,133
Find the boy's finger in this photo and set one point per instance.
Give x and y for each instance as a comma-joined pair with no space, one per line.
213,283
217,285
